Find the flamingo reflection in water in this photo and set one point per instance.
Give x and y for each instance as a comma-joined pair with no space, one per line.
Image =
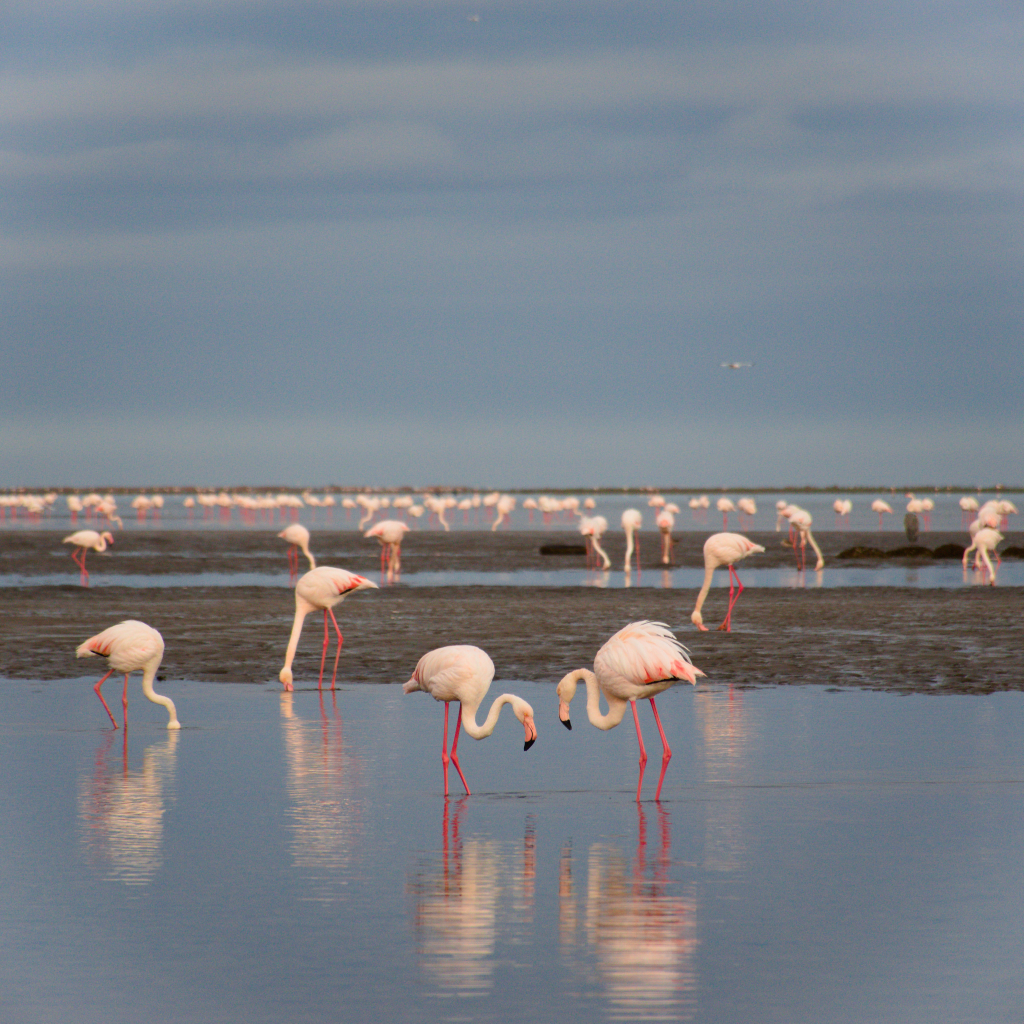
324,816
458,905
641,930
121,810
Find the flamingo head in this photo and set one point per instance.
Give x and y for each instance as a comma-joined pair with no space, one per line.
566,690
107,536
285,675
698,620
524,713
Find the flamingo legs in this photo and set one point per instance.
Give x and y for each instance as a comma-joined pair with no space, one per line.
124,698
666,753
78,555
293,563
323,656
727,624
453,757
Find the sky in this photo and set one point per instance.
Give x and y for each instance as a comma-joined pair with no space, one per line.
510,244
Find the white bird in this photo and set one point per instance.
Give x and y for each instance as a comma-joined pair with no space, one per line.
297,536
320,588
735,366
390,533
640,661
985,541
593,528
464,673
128,647
632,520
723,549
83,541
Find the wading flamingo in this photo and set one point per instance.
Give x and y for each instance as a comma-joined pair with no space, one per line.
593,528
882,508
800,520
632,520
723,549
297,536
390,533
320,588
665,521
642,660
83,540
464,673
128,647
985,541
725,506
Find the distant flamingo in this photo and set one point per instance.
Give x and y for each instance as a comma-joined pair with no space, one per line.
130,646
632,520
464,673
390,533
593,528
746,507
83,540
665,521
725,506
723,549
985,541
800,520
882,508
298,537
640,661
320,588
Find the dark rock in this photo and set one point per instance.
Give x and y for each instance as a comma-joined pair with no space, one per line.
1012,552
861,552
949,551
910,551
563,549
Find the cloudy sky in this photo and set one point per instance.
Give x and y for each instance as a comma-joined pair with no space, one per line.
506,243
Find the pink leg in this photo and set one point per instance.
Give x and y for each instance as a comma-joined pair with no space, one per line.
323,654
444,748
455,757
330,611
638,556
124,701
100,695
643,750
666,753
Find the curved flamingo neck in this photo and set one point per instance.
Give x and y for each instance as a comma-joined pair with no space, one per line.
478,732
148,675
616,706
302,609
709,572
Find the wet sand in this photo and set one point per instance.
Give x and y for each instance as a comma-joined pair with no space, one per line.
891,638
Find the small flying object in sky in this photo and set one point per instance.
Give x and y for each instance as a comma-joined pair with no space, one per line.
735,366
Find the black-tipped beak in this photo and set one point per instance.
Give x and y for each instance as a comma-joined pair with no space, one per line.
568,724
528,744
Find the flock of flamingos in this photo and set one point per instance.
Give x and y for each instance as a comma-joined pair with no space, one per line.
639,662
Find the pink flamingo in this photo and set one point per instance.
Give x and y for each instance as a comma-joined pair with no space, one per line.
985,541
83,540
464,673
632,520
640,661
665,521
320,588
725,506
723,549
390,533
128,647
297,536
882,508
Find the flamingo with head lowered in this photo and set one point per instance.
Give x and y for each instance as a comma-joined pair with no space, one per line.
390,533
320,588
640,661
464,673
297,536
723,549
83,541
632,520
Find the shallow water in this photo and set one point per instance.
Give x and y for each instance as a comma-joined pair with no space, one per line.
948,574
817,855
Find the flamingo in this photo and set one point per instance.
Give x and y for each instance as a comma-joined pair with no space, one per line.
723,549
593,528
128,647
320,588
800,520
725,506
746,507
640,661
83,540
390,533
297,536
665,521
464,673
985,541
882,508
632,520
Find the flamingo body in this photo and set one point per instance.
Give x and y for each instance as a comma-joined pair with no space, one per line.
84,541
632,520
390,533
463,673
298,537
130,646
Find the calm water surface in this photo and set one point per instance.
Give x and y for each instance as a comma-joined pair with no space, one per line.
817,855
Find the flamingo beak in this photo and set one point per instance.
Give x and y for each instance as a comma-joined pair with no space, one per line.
563,714
531,732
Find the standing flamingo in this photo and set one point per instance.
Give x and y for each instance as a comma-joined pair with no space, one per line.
882,508
725,506
985,541
632,520
297,536
320,588
128,647
390,533
83,540
642,660
464,673
723,549
665,521
593,528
